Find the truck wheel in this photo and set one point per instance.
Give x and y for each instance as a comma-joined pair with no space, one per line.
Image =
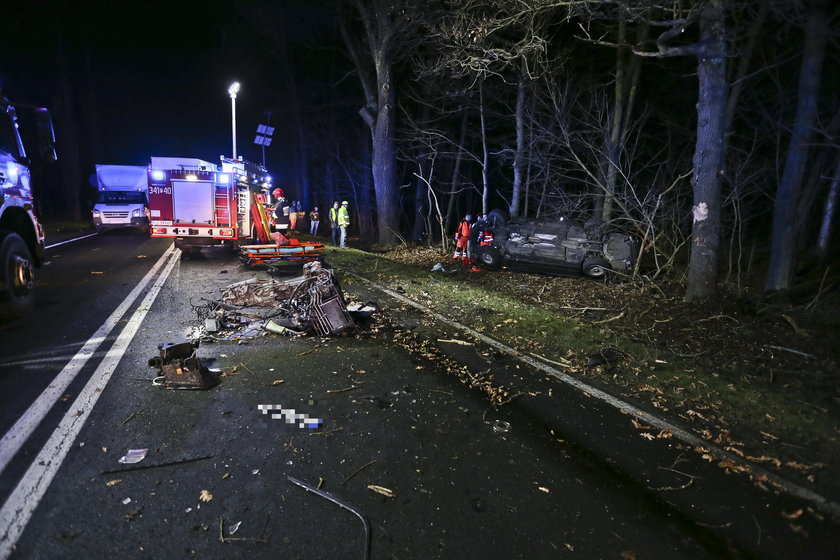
489,257
594,267
17,277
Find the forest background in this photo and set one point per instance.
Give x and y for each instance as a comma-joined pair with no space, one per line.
708,129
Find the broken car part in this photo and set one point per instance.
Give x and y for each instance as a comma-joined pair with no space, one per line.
312,302
340,503
181,368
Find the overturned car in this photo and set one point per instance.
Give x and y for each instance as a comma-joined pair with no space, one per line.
561,247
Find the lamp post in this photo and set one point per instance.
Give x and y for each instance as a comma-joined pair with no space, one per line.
233,90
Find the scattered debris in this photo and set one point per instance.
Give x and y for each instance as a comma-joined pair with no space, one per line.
134,513
181,368
205,496
133,456
312,302
606,357
501,427
126,501
339,503
235,528
113,482
442,269
382,490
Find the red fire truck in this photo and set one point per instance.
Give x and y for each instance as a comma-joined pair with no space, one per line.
201,204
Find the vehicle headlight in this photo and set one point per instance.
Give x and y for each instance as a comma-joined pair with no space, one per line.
95,213
137,213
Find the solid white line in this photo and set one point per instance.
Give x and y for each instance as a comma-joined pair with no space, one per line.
795,489
70,240
14,439
21,504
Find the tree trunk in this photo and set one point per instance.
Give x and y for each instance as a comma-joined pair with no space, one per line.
612,148
385,154
456,174
485,159
709,152
744,64
829,211
420,197
783,249
519,155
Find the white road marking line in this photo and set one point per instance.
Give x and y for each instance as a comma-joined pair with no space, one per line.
21,504
70,240
816,499
17,435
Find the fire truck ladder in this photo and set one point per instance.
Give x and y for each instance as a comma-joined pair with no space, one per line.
223,208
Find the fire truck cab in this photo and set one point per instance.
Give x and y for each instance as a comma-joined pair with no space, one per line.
201,204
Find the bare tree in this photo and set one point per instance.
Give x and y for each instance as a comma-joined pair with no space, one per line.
783,251
388,29
710,50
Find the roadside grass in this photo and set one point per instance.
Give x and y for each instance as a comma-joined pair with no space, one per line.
763,424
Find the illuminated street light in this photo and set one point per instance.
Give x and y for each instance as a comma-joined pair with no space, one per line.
233,90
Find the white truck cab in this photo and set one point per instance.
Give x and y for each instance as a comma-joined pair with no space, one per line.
123,197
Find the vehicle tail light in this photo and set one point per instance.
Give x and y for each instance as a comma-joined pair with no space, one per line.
225,232
159,230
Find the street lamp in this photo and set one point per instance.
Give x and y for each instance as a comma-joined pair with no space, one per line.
233,90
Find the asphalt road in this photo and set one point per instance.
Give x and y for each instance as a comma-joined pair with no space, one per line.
462,487
465,480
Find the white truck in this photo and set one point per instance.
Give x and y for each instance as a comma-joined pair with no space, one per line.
123,197
21,236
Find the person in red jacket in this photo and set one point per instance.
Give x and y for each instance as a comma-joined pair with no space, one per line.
462,237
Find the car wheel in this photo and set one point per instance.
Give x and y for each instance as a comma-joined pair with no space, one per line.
594,267
17,277
489,257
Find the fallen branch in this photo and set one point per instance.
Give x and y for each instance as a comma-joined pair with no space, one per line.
455,341
791,350
156,465
130,416
343,482
326,433
563,363
796,328
611,319
343,390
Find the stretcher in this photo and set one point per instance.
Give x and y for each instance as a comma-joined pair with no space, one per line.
295,251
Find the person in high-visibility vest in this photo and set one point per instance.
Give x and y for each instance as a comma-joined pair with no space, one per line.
344,222
334,223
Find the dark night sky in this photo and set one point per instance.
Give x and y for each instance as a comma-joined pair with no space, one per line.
160,72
